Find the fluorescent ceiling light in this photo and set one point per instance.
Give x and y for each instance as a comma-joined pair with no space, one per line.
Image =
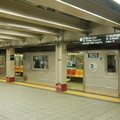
118,1
30,28
41,20
98,16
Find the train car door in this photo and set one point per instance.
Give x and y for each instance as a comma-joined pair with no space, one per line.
75,71
101,72
18,68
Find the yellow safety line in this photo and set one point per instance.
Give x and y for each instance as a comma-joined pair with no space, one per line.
36,86
93,96
69,91
2,80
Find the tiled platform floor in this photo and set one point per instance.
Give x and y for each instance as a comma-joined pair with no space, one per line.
73,85
19,102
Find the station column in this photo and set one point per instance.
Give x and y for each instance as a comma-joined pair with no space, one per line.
10,77
61,52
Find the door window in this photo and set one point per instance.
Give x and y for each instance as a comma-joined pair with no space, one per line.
111,63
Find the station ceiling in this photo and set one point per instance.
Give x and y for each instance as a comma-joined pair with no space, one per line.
21,19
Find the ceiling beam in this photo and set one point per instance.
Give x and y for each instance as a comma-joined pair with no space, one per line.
20,34
76,11
3,41
104,8
22,12
10,37
24,26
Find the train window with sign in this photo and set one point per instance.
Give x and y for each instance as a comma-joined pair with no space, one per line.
111,63
40,62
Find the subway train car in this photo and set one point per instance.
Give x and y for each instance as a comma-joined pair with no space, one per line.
94,71
38,62
39,68
101,64
101,72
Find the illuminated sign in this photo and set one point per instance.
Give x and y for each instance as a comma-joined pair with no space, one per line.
100,39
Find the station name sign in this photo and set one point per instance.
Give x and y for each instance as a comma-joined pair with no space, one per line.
100,39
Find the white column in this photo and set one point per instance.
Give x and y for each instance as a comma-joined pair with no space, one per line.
61,54
10,77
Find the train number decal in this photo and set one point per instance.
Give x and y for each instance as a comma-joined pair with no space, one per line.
93,55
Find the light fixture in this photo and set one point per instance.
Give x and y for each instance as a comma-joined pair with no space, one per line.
41,20
87,12
118,1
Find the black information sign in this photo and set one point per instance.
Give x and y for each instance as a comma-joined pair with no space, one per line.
93,55
100,39
11,57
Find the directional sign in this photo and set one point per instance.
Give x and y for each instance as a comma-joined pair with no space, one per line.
100,39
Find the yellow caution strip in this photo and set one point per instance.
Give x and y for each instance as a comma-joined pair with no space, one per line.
93,96
36,86
69,91
2,80
31,85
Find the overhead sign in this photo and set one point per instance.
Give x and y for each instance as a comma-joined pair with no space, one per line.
11,57
100,39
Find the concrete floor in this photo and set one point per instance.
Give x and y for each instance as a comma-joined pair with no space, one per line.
19,102
18,78
74,85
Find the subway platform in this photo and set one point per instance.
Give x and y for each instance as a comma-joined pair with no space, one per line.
23,101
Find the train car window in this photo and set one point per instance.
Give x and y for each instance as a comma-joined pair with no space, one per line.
111,63
75,60
18,60
40,62
2,61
